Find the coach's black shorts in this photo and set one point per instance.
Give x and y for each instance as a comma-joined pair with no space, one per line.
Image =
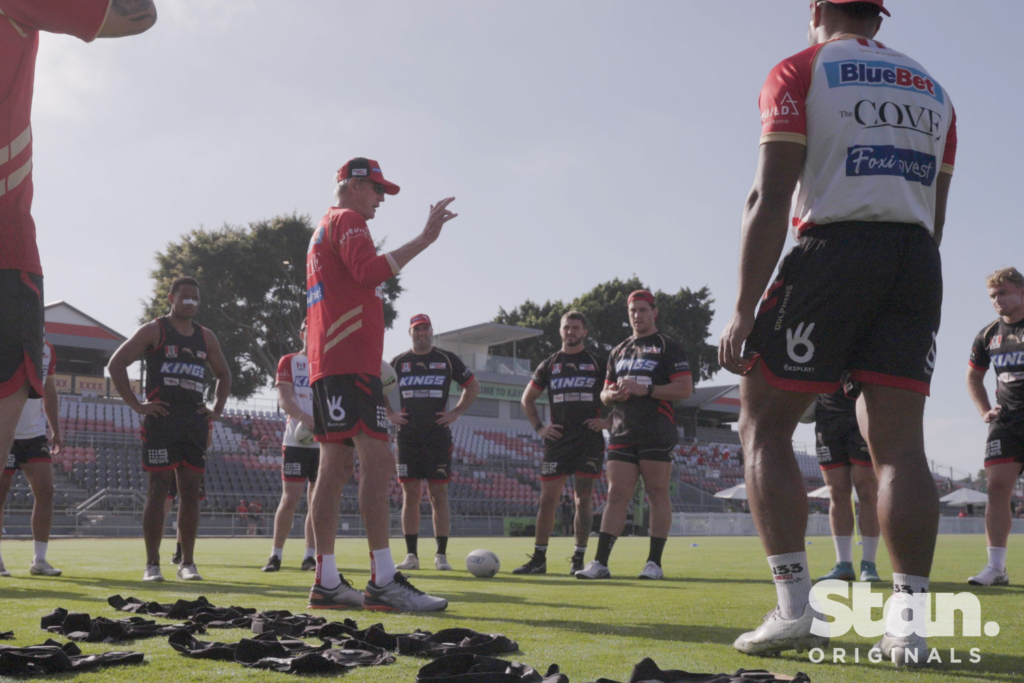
21,332
581,454
25,451
172,492
1005,440
840,444
163,457
634,453
344,405
427,456
299,463
857,296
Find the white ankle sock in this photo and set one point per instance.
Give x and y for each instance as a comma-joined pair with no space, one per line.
908,607
580,549
278,553
310,552
844,548
792,583
39,551
327,571
869,545
382,567
997,558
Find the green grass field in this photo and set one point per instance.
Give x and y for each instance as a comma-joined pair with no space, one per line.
711,593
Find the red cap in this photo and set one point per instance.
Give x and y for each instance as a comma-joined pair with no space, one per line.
419,319
642,295
361,167
879,3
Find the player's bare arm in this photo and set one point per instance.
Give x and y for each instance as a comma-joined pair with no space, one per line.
469,394
128,18
439,215
976,389
678,389
51,406
529,403
941,195
219,365
613,393
145,338
286,399
765,224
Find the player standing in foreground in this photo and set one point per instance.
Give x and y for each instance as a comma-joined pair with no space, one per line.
176,421
172,494
1000,344
871,138
31,454
21,274
425,375
300,461
345,305
646,374
573,442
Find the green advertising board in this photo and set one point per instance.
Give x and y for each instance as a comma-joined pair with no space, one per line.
500,392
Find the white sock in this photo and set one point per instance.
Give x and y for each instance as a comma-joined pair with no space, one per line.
310,552
869,545
907,607
580,549
844,548
382,567
997,558
39,551
792,583
327,571
278,553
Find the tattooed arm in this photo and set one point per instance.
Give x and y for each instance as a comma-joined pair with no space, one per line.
128,18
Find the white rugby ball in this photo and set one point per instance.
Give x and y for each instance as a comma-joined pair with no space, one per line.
388,377
304,434
482,563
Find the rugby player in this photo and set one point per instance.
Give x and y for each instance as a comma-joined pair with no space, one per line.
344,278
172,494
32,455
21,275
425,375
646,374
1001,345
573,442
871,138
176,420
845,464
299,462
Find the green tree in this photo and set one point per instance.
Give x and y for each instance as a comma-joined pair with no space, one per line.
685,315
252,281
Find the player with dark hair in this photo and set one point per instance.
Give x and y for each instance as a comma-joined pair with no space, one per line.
1000,345
573,442
425,375
646,374
176,420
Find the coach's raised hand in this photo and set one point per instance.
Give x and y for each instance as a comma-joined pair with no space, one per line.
439,215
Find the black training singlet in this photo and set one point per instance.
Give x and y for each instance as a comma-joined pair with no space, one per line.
176,375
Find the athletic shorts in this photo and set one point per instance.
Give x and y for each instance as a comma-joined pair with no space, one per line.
580,454
634,453
163,457
428,457
857,296
21,332
344,405
839,444
1005,441
299,463
26,451
172,492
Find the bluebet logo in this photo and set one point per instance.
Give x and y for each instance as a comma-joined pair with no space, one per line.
315,295
909,164
882,75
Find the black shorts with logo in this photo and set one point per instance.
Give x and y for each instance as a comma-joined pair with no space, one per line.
840,444
27,450
344,405
299,463
1005,442
172,492
21,332
580,453
634,453
425,456
857,296
163,457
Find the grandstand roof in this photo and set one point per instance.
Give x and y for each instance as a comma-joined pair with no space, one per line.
68,326
488,334
720,399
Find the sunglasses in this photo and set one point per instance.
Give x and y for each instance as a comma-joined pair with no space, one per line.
377,187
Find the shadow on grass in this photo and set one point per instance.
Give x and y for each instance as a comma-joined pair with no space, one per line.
556,580
457,597
99,588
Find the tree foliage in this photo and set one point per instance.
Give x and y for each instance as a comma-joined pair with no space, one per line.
252,283
685,315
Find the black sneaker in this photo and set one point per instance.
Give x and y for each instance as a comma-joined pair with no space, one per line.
308,564
176,557
273,564
538,564
575,564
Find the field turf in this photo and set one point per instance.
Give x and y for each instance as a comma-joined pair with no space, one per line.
711,593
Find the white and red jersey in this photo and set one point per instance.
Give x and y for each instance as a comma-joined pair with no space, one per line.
32,422
878,130
293,368
20,24
344,297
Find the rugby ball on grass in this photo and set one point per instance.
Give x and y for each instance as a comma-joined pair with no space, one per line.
483,563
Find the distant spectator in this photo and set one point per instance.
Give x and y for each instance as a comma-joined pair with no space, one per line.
243,512
255,510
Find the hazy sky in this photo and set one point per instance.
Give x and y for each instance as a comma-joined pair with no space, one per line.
583,140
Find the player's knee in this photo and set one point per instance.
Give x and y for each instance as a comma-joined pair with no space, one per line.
43,491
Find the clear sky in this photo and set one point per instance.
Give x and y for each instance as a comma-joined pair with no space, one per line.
584,140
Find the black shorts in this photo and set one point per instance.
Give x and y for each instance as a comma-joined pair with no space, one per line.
344,405
634,453
581,454
163,457
425,457
172,492
1005,441
839,444
299,463
21,332
856,296
27,450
